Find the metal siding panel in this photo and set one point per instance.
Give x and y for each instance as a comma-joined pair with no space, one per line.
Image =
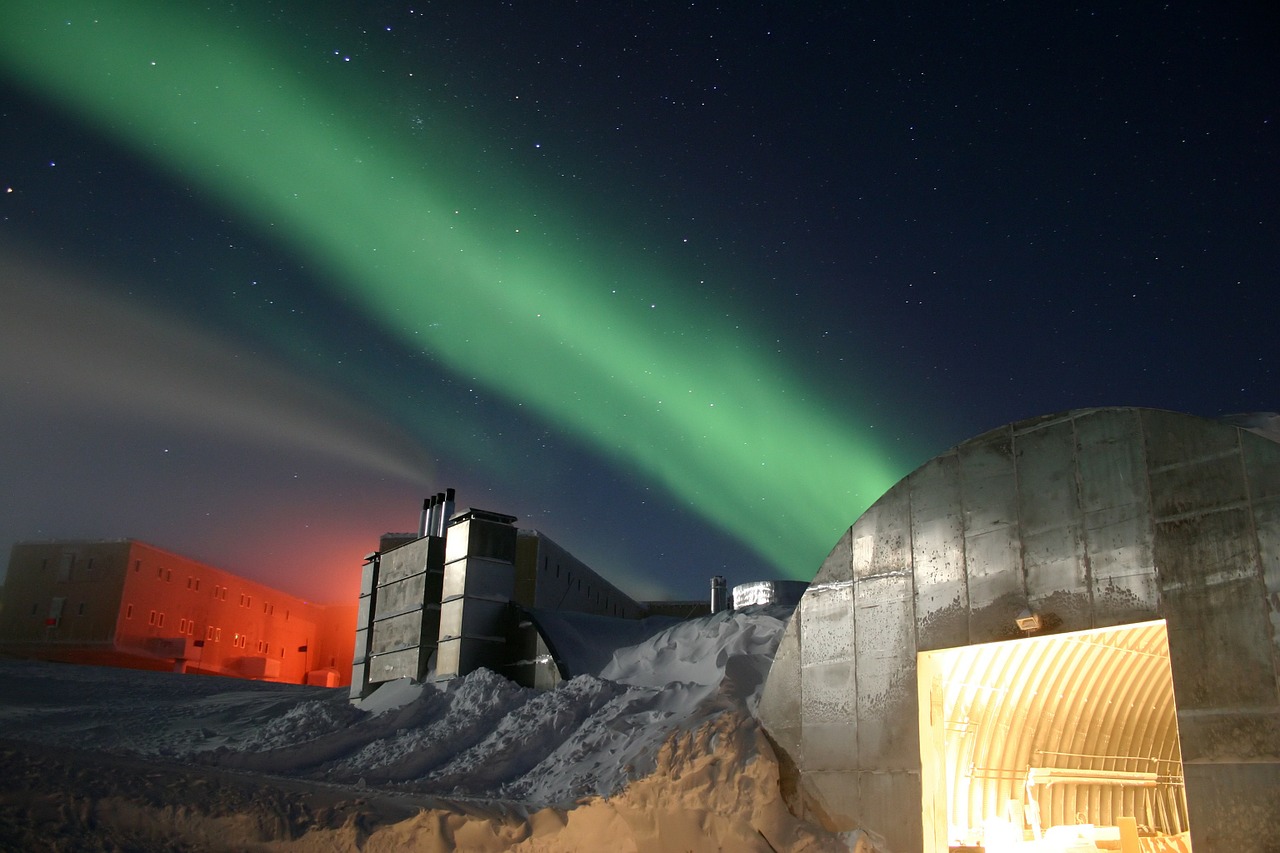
1198,486
400,664
481,618
884,645
1233,806
487,578
996,591
779,707
838,566
1266,522
1046,478
448,657
399,563
457,541
1120,542
826,621
1174,439
401,596
1214,598
937,549
1111,459
891,548
889,804
828,716
1262,466
398,632
833,797
361,649
987,485
451,618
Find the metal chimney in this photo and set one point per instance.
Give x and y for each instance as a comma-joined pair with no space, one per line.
436,512
446,511
423,523
719,594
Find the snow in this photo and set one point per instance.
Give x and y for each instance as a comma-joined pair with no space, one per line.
610,752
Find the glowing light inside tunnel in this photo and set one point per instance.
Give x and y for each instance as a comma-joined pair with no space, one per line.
454,258
1021,742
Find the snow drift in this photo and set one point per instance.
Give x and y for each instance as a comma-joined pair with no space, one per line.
657,751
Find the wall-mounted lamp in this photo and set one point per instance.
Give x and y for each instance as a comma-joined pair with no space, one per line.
1028,621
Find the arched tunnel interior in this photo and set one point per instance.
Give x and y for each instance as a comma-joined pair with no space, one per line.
1069,730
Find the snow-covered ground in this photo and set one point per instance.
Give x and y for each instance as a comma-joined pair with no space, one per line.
658,751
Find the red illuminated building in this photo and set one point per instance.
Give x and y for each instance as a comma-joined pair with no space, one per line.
126,603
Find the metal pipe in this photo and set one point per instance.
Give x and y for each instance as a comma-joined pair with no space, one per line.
425,518
446,511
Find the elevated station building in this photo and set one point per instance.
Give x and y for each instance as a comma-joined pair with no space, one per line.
126,603
472,590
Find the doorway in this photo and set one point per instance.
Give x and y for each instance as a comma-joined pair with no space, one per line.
1064,736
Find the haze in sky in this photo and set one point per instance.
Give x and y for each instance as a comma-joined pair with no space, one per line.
685,289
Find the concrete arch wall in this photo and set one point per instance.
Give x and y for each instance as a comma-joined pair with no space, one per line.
1090,518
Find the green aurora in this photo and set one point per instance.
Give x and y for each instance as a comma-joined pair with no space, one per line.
454,257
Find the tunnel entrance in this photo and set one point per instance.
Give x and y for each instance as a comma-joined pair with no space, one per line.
1043,743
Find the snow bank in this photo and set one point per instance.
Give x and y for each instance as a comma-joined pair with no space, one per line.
658,750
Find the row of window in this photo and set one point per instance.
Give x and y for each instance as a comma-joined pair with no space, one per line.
211,633
219,591
593,595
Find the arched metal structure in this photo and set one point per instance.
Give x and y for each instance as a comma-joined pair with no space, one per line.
1085,520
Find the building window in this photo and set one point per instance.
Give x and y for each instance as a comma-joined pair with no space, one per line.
168,575
197,584
159,571
35,608
128,611
151,620
137,565
80,609
217,635
189,580
182,626
208,632
160,621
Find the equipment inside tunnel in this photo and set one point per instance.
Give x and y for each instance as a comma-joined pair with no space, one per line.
1069,730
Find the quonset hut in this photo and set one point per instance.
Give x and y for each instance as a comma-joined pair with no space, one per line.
1068,620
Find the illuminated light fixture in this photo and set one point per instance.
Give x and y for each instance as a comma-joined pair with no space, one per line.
1028,622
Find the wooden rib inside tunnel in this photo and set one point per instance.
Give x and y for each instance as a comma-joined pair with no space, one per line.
1077,729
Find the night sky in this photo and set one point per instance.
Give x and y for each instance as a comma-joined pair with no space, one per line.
684,286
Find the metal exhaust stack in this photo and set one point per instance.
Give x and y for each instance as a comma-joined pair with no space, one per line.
719,594
436,512
424,520
446,511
